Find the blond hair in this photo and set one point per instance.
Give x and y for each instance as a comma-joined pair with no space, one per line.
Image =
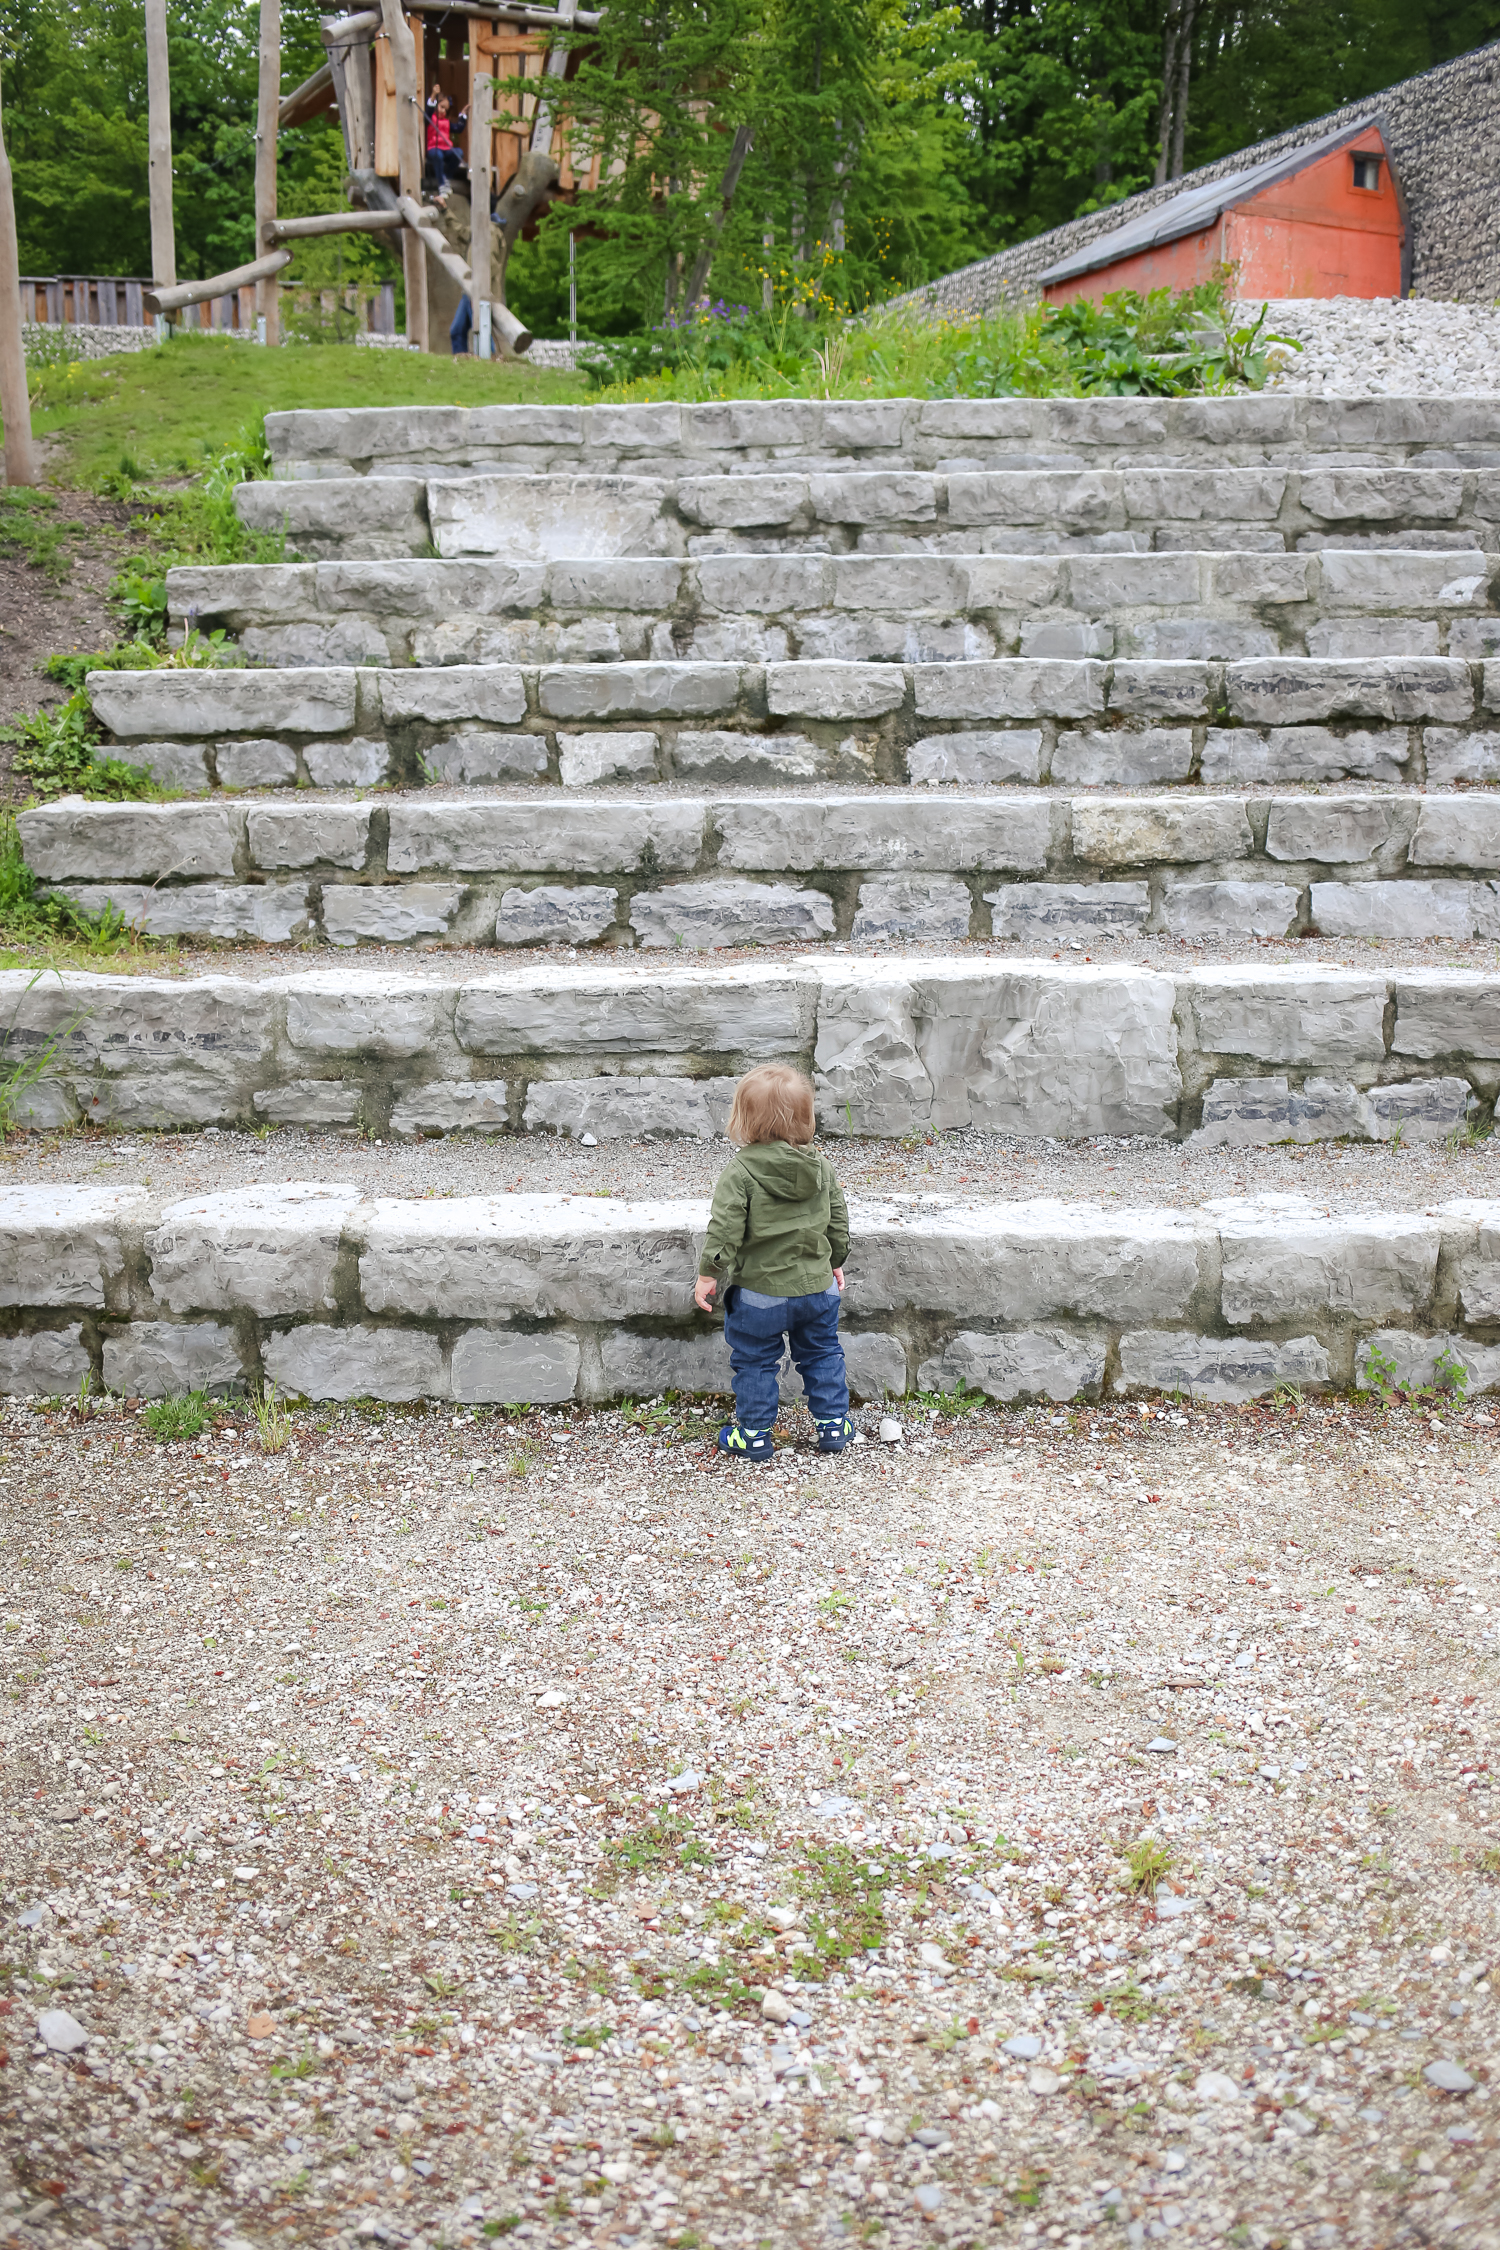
773,1103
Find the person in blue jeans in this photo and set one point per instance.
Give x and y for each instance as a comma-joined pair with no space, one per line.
778,1235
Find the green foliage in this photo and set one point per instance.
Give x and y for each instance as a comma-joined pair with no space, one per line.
26,920
1146,1863
56,752
669,1836
172,1419
30,530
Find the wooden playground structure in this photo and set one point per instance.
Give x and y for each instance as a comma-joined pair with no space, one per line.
383,64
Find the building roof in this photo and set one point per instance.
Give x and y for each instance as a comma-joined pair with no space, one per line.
1199,207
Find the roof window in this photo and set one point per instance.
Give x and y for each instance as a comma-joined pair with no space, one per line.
1367,171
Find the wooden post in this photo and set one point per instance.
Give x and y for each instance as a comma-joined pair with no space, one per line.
267,291
159,147
481,233
15,405
409,160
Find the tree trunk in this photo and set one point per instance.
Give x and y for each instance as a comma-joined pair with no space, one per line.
744,141
159,146
1168,89
409,164
15,405
268,291
1184,73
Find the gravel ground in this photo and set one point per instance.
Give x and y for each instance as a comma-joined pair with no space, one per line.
965,1166
1386,347
712,1855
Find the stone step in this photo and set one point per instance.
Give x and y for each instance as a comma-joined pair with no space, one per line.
1088,722
1240,1055
515,1298
892,609
525,518
884,866
882,433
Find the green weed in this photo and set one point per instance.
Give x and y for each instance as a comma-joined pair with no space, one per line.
1146,1863
171,1419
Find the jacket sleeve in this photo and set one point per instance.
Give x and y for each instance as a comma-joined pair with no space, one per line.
727,1221
838,1222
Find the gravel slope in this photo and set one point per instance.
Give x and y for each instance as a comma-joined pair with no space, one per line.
1385,347
415,1821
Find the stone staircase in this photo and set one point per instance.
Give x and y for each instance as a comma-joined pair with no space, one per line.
932,698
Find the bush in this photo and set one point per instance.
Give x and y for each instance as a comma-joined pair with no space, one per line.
57,752
171,1419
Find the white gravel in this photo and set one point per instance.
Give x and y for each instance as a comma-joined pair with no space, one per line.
710,1855
1386,347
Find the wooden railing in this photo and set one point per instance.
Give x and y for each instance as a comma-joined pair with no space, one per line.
77,300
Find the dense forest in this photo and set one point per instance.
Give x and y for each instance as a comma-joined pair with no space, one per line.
891,140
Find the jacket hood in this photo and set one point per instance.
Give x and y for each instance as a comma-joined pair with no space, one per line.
783,1170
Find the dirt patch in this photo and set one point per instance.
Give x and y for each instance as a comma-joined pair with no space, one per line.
41,615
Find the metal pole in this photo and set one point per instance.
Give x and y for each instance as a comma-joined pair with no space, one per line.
267,292
15,405
572,287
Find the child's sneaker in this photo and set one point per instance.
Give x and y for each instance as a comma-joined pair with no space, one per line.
745,1445
834,1436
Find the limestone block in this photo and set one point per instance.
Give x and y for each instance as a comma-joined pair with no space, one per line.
318,640
262,592
1446,1012
976,757
50,1364
269,914
477,755
1286,689
1381,495
740,503
1054,913
1212,910
222,1026
407,590
647,691
869,1076
1354,639
1162,691
309,1101
747,757
705,915
1219,1367
64,1245
1182,640
1011,688
159,1359
172,765
319,700
1475,638
914,909
1291,1264
1453,756
628,1109
494,693
645,1366
1039,1363
308,835
1425,1109
468,1105
1395,910
1109,582
254,765
654,428
862,425
1066,636
271,1250
1255,1112
1239,754
1324,1017
1336,830
491,1368
588,837
1076,501
1410,1363
1252,578
753,1013
1477,1224
1025,1262
1457,832
1030,1049
338,515
586,758
903,584
1245,1113
766,424
590,582
316,1361
72,839
551,518
886,830
1191,496
762,585
834,691
873,496
388,913
384,1016
542,1256
555,914
362,763
1367,578
1140,830
1121,757
1017,582
874,1364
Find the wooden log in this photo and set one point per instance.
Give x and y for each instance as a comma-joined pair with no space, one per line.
498,11
159,146
339,222
309,100
514,333
344,29
259,271
481,233
267,107
409,160
15,403
350,62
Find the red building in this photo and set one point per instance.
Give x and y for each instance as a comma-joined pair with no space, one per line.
1324,220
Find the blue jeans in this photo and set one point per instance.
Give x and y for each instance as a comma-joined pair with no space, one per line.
463,321
754,1327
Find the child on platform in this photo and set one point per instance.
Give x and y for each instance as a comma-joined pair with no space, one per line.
778,1236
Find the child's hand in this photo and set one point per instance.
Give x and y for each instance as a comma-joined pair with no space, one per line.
703,1292
838,1275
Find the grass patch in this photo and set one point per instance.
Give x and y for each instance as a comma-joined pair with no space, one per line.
1146,1863
29,922
843,1896
172,1419
669,1838
31,530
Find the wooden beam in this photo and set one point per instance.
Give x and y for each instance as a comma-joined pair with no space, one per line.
259,271
496,11
514,333
343,29
481,233
267,296
340,222
309,100
409,158
159,146
15,401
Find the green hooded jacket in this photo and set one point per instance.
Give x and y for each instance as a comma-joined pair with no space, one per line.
779,1223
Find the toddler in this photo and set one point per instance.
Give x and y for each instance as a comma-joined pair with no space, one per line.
778,1234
